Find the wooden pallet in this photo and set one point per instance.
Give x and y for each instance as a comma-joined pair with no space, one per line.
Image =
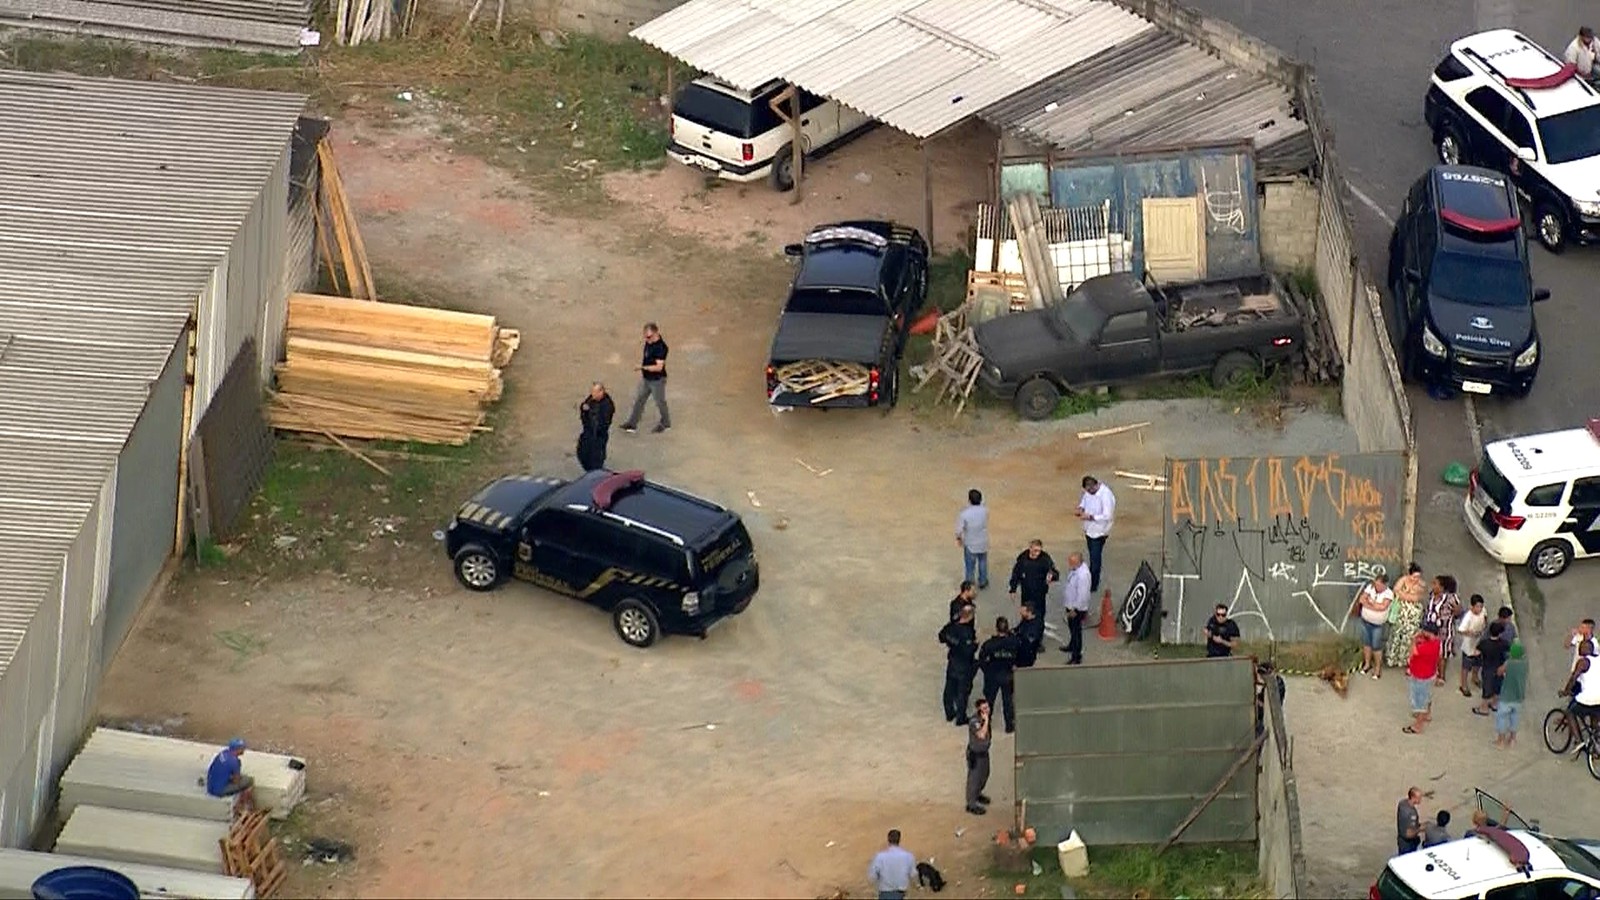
1012,283
955,361
250,851
823,379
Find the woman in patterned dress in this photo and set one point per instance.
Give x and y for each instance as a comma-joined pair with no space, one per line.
1442,611
1409,592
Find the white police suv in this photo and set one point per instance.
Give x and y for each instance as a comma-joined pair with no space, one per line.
1494,864
1500,101
1535,499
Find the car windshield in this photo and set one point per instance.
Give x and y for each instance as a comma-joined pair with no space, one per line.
1493,483
1571,135
837,301
1390,887
1479,280
1575,857
715,110
1079,317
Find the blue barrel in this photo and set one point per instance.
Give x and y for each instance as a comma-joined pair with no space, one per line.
84,883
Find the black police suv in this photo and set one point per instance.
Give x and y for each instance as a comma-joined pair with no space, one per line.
661,561
1458,273
843,328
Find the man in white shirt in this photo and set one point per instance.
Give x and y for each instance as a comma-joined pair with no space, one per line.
1075,603
1373,601
1096,510
1582,51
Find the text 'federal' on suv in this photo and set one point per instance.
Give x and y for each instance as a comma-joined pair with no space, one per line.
661,561
738,136
1463,296
1501,101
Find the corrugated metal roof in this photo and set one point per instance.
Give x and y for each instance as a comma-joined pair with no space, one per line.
917,65
1153,92
117,201
270,25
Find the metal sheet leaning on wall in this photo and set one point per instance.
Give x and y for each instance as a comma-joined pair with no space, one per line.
1284,541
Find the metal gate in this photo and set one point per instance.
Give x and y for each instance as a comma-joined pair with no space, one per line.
1123,753
145,516
1174,243
231,449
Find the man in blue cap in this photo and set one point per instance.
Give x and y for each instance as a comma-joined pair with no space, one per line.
226,776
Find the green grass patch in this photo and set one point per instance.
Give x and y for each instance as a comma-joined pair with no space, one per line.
1303,281
947,280
208,554
1289,656
1079,404
556,113
1187,871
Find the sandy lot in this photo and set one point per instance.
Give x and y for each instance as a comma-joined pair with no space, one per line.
509,744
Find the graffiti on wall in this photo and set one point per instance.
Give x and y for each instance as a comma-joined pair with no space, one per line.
1284,542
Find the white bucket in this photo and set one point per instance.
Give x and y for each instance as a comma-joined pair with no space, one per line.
1073,856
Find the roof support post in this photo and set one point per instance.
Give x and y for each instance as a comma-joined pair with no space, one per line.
792,118
927,195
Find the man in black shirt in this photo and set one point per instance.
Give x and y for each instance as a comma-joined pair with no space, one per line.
594,416
1033,572
1493,650
1030,637
1222,633
967,596
652,381
998,660
960,638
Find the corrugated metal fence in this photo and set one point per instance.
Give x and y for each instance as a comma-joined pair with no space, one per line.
1123,753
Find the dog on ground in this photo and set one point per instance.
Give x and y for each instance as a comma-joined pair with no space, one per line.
929,877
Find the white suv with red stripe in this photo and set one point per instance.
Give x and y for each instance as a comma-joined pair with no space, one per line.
1500,101
737,135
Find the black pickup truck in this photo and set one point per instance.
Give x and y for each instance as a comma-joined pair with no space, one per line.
849,310
1114,329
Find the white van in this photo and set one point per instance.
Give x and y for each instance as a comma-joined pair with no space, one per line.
1535,499
736,135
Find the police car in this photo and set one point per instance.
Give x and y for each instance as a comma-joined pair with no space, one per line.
1535,499
1501,101
1497,864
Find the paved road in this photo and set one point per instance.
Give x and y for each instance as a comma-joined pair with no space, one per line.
1373,59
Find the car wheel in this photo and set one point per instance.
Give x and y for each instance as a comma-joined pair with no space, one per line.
1550,226
1550,558
476,568
635,623
782,177
1234,369
1452,147
1037,399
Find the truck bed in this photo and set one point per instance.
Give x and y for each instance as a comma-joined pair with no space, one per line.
1211,304
828,336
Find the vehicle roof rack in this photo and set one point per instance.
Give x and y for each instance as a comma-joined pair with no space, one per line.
850,233
606,489
1516,851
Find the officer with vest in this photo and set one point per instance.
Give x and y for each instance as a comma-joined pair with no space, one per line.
960,638
998,660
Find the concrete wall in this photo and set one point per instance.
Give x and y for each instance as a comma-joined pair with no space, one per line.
606,18
1281,860
1289,224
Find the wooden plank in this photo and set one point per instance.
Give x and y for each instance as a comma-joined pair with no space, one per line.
141,837
386,358
1245,757
199,491
19,869
393,325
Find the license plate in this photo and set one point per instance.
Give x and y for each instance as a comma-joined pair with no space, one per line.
702,162
1475,387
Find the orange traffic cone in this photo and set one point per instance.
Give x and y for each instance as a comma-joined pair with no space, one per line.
1108,619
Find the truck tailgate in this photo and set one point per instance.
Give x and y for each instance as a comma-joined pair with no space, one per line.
856,339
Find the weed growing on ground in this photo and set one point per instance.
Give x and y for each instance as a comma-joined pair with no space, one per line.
1289,656
1189,870
947,280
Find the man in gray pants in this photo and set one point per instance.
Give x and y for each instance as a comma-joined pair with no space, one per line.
978,759
652,381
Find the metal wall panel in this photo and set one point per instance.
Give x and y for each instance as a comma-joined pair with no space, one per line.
1123,753
77,659
145,515
235,442
1284,541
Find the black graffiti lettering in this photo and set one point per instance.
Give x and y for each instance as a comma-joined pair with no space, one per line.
1328,550
1297,554
1251,545
1288,530
1191,540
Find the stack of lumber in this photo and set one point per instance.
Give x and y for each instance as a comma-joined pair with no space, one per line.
826,380
280,780
148,838
1038,264
19,869
388,371
358,21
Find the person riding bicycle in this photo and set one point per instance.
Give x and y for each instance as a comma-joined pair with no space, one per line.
1583,687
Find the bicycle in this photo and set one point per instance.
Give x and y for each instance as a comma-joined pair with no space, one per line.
1561,728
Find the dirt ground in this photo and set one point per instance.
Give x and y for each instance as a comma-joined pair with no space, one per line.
509,744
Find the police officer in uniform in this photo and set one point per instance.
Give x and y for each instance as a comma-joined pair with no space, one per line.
1030,637
960,638
1032,573
998,660
966,596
